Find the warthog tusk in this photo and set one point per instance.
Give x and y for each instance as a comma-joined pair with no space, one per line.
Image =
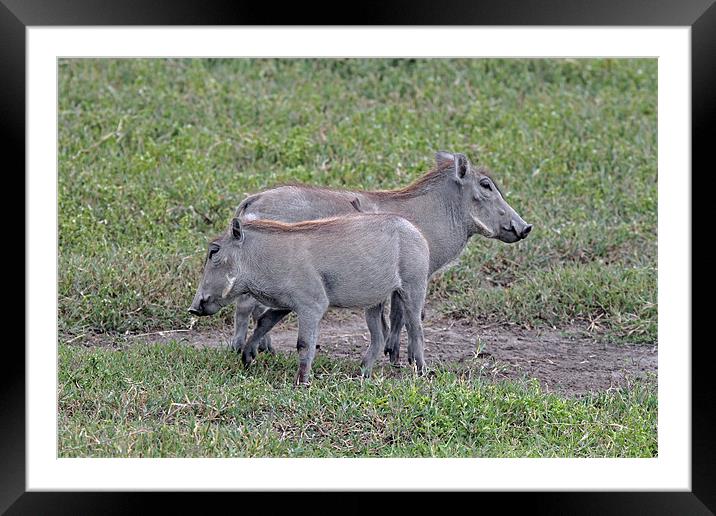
230,284
488,232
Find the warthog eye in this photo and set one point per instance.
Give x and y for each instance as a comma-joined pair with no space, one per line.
486,184
213,250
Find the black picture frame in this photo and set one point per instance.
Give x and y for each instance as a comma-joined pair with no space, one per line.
700,15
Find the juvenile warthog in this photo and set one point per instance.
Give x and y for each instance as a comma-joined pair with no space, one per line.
354,261
448,205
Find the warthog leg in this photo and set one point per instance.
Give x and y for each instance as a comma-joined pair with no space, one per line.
413,301
392,340
245,305
268,320
265,342
308,322
373,316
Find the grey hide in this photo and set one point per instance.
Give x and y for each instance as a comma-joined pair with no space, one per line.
354,261
449,204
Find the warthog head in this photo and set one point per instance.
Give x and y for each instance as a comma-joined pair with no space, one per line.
489,212
219,283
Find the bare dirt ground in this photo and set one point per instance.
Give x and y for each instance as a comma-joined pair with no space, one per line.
563,361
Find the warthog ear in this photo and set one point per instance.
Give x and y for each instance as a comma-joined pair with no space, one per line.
236,230
461,165
458,161
443,158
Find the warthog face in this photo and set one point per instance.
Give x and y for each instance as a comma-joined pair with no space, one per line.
491,215
221,271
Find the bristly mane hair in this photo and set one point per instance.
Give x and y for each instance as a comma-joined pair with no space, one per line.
330,223
428,180
421,185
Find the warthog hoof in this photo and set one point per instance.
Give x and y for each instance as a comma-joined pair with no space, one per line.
365,372
236,345
302,376
265,344
301,381
395,358
248,356
394,353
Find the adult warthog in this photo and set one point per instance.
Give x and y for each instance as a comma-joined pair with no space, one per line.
448,205
355,261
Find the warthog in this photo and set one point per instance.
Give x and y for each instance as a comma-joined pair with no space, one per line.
448,205
355,261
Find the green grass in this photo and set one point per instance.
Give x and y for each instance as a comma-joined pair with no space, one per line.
172,400
570,293
154,155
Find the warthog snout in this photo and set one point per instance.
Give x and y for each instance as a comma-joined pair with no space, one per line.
519,227
197,306
204,305
523,231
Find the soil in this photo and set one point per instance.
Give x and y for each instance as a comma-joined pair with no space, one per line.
567,361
